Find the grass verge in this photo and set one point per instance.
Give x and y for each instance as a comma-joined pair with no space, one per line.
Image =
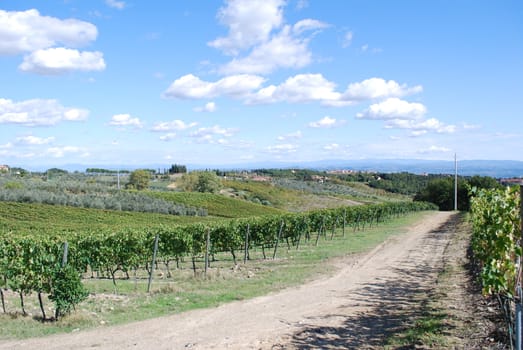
185,290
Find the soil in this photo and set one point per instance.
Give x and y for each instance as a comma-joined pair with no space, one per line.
371,297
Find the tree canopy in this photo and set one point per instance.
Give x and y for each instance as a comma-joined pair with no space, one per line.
200,181
139,179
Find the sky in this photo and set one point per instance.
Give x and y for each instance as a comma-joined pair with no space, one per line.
133,82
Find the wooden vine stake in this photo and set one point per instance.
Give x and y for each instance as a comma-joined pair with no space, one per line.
64,262
344,221
155,251
246,252
207,247
278,240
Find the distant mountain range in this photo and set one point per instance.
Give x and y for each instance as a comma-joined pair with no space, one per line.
494,168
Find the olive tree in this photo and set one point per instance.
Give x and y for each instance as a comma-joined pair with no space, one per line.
139,179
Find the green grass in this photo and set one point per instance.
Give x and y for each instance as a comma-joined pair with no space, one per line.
217,205
183,291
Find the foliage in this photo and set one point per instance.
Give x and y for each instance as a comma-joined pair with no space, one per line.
200,181
90,196
67,290
139,179
216,204
440,191
496,223
177,169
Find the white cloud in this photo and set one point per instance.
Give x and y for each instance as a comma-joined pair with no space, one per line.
168,137
300,88
308,24
60,152
282,149
434,149
120,5
291,136
374,88
27,31
393,108
209,107
326,123
250,22
124,120
38,112
61,60
6,145
332,147
207,135
347,39
34,140
421,126
283,50
175,125
256,30
192,87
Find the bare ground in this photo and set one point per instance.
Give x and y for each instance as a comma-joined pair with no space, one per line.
370,298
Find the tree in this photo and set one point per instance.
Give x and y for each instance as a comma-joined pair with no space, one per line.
139,179
200,181
177,169
441,193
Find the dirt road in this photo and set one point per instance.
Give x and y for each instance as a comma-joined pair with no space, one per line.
355,308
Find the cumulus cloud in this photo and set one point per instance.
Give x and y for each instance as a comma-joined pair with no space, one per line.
282,51
250,22
192,87
125,120
300,88
326,123
208,107
400,114
34,140
375,88
38,112
175,125
214,134
393,108
315,87
256,31
27,31
61,60
421,126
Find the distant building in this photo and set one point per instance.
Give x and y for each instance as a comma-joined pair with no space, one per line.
4,169
511,181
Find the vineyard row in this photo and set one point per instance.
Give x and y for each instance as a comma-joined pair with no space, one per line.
35,263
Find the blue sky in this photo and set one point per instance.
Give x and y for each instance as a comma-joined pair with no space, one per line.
240,81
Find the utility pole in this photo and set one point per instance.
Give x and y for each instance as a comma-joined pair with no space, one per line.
455,182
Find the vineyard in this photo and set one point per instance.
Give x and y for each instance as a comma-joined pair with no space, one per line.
52,263
496,242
